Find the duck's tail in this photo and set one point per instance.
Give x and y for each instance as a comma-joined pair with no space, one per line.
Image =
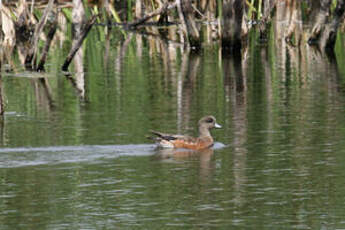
162,136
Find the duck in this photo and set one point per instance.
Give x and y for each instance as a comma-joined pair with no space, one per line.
203,141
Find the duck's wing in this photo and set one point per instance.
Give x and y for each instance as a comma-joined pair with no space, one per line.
181,141
169,137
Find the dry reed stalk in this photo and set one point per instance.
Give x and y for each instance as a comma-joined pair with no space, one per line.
163,9
79,42
321,20
233,17
2,109
31,56
329,35
50,37
7,27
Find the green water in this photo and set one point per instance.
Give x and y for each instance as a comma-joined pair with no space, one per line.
78,157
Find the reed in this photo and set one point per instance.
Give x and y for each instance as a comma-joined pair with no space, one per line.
193,23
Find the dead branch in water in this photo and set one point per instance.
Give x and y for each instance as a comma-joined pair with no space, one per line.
31,56
269,8
166,7
79,42
294,31
233,17
321,20
324,32
191,30
329,35
50,37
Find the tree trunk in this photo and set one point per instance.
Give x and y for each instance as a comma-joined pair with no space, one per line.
233,16
187,17
321,20
52,29
31,55
138,9
329,34
160,11
314,7
268,6
295,23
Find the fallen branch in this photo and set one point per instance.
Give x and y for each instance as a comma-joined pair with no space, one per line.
191,29
329,34
78,42
30,57
320,23
166,7
50,37
265,21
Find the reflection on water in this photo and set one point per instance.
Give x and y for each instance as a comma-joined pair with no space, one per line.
74,153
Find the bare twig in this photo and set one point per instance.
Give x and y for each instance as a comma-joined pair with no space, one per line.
31,56
321,21
167,6
50,37
79,42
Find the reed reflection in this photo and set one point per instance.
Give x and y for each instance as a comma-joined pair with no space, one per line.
235,87
78,17
187,80
288,23
2,110
119,61
8,38
43,94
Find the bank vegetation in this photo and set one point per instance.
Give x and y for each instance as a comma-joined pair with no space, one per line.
27,24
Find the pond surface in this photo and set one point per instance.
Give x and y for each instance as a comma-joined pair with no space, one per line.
75,154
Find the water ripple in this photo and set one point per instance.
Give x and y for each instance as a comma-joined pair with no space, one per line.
19,157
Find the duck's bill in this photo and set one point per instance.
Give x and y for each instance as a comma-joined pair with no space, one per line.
218,126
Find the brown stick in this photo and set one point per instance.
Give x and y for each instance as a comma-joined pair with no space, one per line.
269,7
233,16
79,42
187,18
295,25
34,39
50,37
328,36
321,20
167,6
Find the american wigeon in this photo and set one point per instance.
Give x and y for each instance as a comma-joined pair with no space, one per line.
204,140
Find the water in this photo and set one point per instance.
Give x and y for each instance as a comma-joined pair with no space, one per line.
75,154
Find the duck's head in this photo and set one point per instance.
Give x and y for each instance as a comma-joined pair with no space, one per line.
209,122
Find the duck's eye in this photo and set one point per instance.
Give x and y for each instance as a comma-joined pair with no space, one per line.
209,120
